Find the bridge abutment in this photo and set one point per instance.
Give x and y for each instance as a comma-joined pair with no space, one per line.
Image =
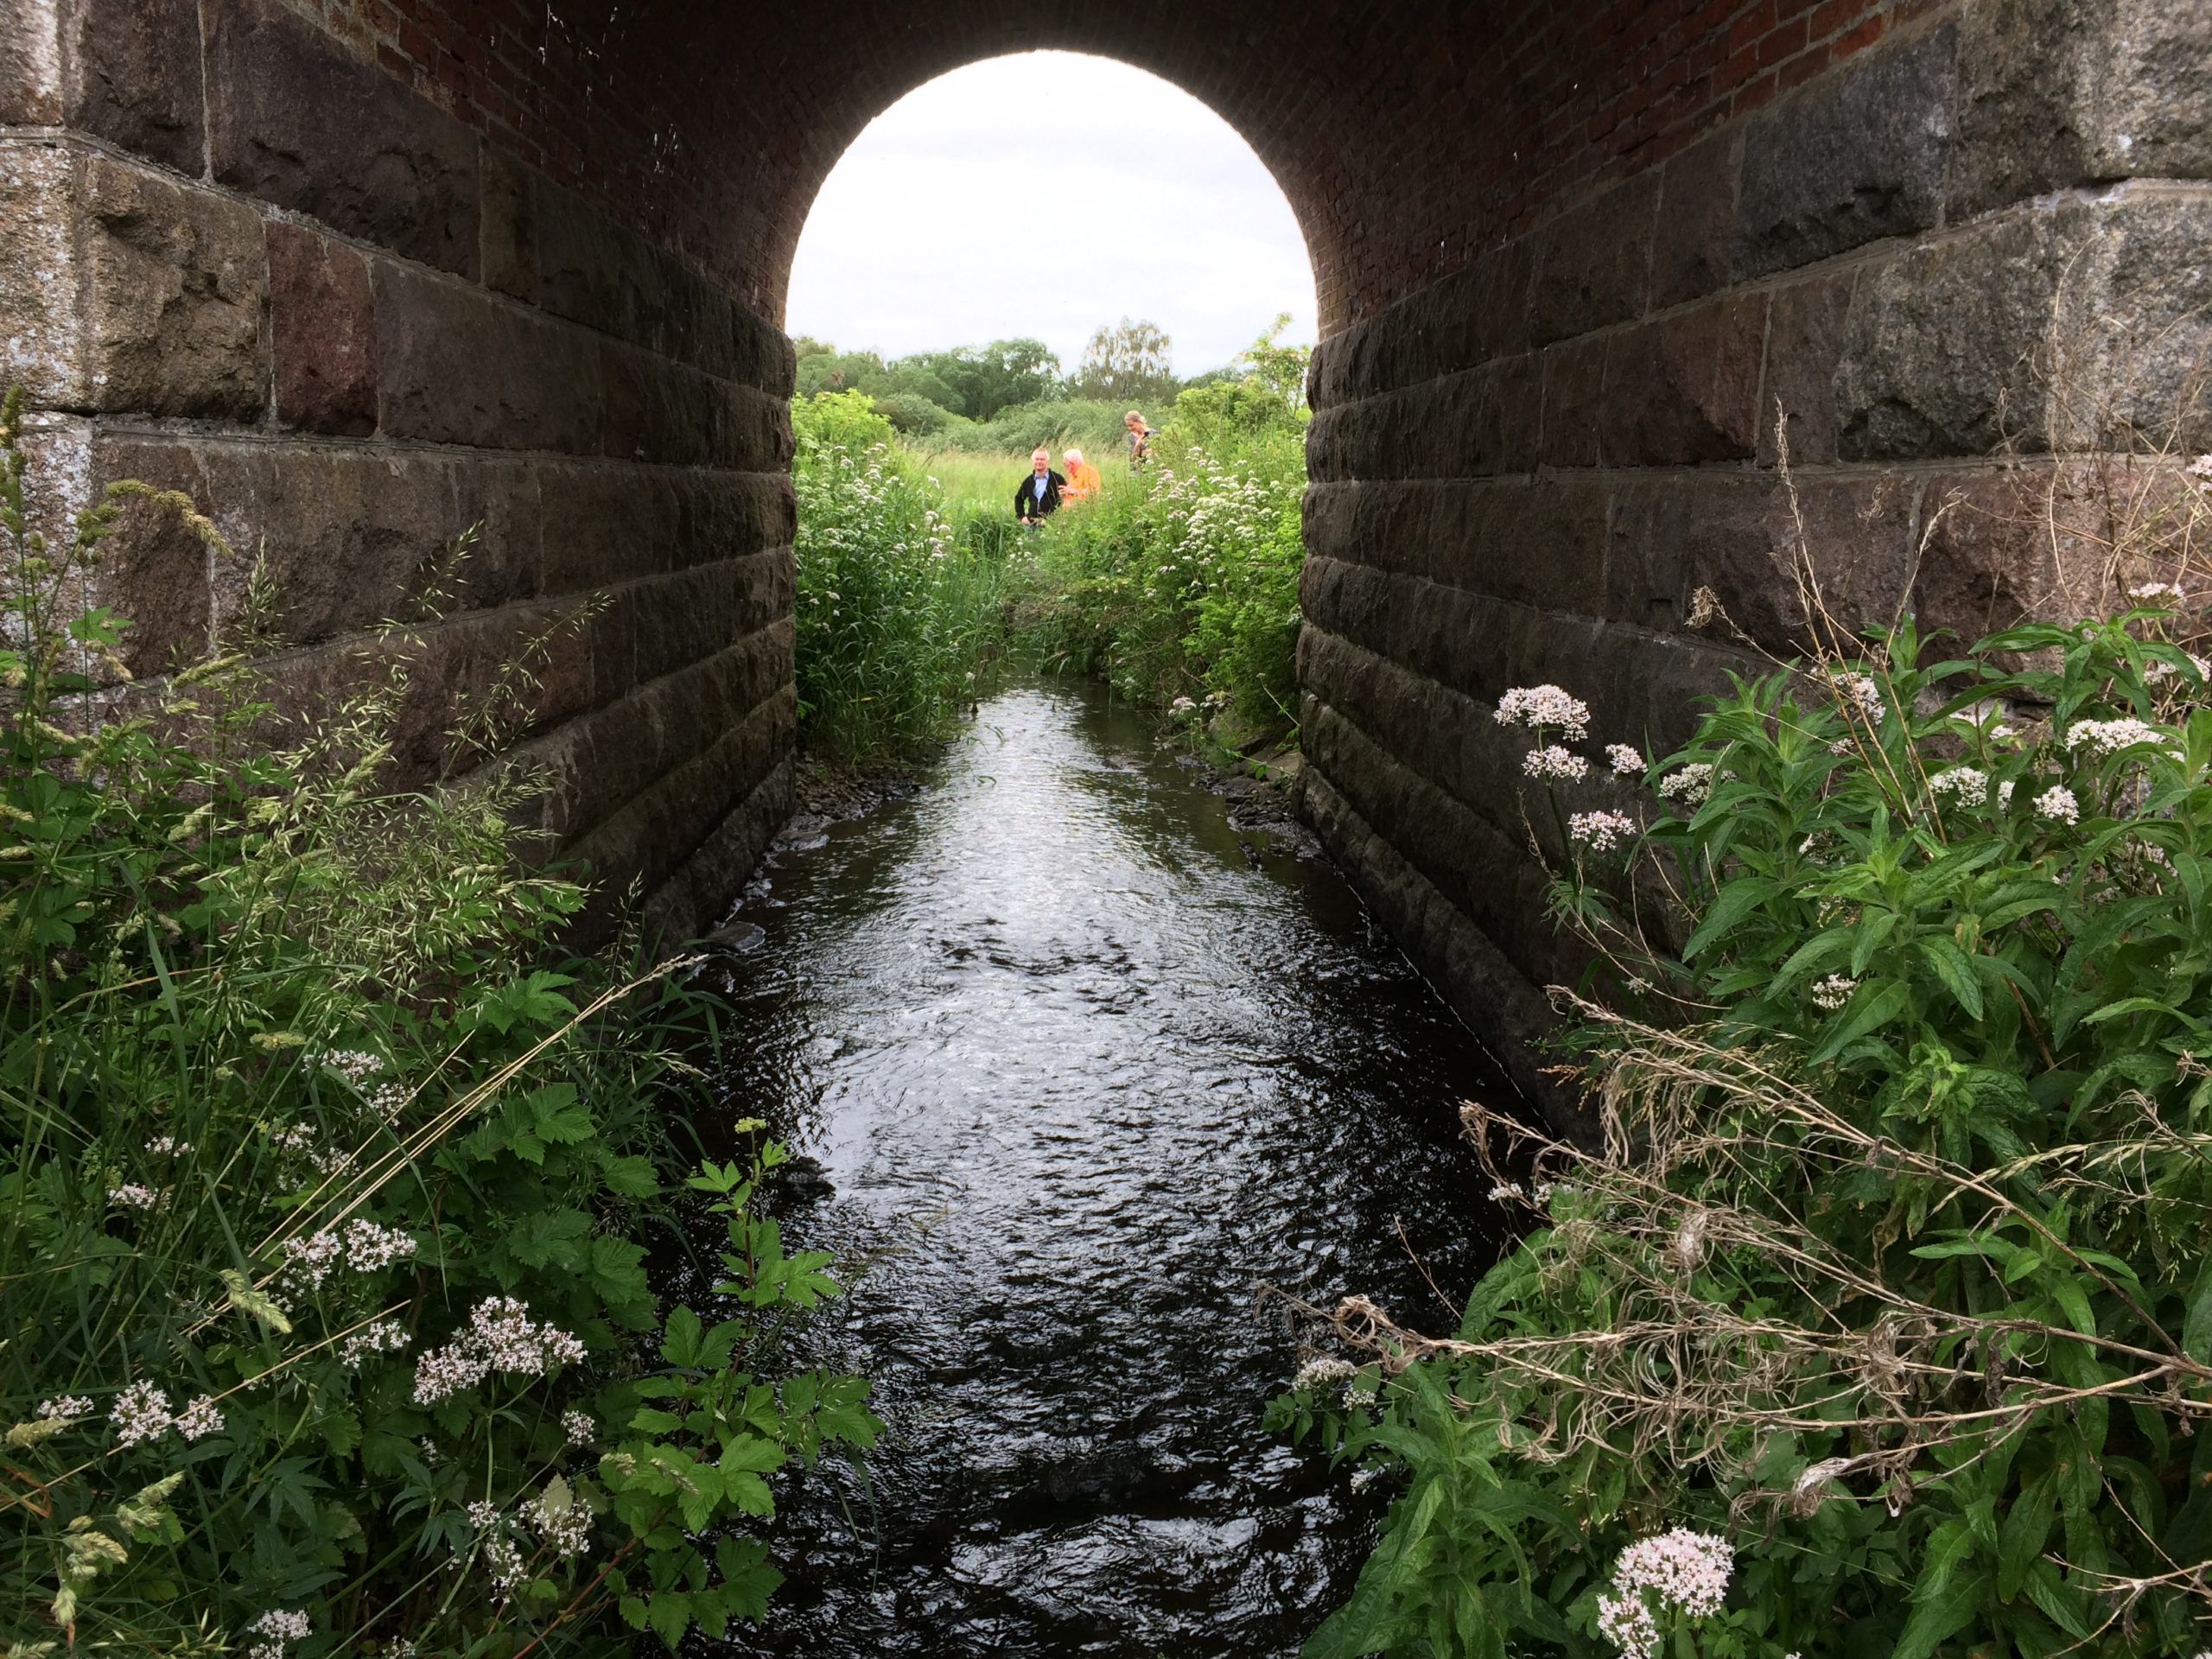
359,274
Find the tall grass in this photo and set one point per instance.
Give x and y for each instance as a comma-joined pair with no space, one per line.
1180,586
327,1187
901,593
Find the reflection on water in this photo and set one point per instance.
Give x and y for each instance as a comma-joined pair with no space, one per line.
1080,1071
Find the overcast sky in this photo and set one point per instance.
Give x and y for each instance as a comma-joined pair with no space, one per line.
1043,195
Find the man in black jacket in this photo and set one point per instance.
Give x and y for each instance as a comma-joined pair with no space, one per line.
1038,493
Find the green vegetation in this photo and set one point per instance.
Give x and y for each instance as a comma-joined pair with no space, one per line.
1184,592
1178,584
1880,1321
329,1185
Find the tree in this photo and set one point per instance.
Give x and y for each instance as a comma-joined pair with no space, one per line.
1127,362
985,379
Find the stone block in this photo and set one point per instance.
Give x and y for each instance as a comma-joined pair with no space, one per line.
134,78
604,524
298,121
1855,156
172,283
728,515
1940,345
1539,542
495,504
2006,547
1574,403
154,570
1592,265
1854,562
1805,339
455,365
2130,358
1691,246
42,319
322,319
1684,388
507,225
30,63
2059,93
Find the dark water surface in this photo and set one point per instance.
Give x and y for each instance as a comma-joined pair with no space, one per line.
1081,1071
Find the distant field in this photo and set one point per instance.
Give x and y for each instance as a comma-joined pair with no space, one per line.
987,481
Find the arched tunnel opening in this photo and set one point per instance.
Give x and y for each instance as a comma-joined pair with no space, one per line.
359,278
1628,316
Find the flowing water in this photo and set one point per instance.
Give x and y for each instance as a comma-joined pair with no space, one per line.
1078,1067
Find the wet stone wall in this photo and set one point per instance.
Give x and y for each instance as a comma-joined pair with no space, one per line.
1953,276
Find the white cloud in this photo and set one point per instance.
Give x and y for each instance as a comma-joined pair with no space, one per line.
1043,195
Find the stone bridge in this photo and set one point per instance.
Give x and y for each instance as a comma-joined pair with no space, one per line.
358,274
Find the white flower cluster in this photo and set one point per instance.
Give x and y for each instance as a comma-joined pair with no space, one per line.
2201,469
277,1630
356,1066
2110,736
2057,804
1833,993
1680,1571
1863,690
2155,673
501,1337
1602,831
2148,590
363,1246
67,1405
133,1196
167,1146
384,1336
200,1418
1552,761
1324,1372
1545,706
1691,786
561,1521
1969,783
578,1426
140,1412
1627,762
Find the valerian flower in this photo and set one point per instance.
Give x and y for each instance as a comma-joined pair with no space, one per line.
1552,761
1627,762
1545,706
200,1418
501,1337
140,1412
67,1405
2110,736
1602,831
277,1629
2058,804
1690,786
1682,1570
1969,783
1833,993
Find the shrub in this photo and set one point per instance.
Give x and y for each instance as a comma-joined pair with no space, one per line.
1187,588
896,618
1887,1287
323,1208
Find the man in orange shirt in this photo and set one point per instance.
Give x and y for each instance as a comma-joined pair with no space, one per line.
1083,478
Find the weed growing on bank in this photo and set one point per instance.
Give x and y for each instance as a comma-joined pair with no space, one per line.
1879,1320
324,1324
1183,593
900,604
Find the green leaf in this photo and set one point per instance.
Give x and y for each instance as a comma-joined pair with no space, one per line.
680,1339
2027,1525
1737,900
1874,1007
1952,967
2197,1325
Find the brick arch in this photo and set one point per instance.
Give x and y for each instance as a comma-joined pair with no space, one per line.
359,273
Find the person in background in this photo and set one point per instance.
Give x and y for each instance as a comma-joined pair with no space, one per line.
1038,494
1084,481
1139,438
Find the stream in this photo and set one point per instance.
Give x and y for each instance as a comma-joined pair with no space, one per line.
1075,1065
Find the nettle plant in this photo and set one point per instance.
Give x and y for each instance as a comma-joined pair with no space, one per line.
1879,1319
325,1320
